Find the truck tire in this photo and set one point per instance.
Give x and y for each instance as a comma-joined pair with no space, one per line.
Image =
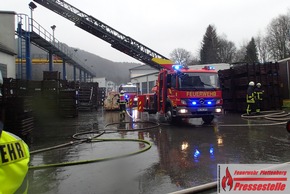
170,118
207,119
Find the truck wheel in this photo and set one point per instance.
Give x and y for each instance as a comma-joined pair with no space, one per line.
170,118
207,119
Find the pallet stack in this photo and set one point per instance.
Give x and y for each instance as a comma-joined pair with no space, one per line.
50,92
234,82
85,94
51,75
18,117
16,108
25,101
101,96
13,87
68,103
94,88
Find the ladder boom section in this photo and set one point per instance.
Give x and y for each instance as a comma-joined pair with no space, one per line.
94,26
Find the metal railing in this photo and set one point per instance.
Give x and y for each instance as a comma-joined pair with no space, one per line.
30,25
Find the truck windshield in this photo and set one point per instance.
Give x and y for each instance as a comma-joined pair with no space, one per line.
130,89
199,81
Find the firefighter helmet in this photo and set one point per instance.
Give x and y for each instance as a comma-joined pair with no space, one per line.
122,92
258,85
251,83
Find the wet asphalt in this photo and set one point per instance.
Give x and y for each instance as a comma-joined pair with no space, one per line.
181,156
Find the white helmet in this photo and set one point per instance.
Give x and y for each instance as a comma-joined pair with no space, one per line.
251,83
122,92
258,85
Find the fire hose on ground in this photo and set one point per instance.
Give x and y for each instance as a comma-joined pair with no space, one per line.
275,118
281,117
94,138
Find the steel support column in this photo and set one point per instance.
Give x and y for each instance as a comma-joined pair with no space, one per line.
75,73
50,61
63,70
28,57
19,32
80,75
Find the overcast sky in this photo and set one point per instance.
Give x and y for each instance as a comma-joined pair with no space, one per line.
161,25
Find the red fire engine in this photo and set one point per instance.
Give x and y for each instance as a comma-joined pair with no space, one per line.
131,91
181,92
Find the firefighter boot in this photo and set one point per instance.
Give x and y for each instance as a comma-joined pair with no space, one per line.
122,115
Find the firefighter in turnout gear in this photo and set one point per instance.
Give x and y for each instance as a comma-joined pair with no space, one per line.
122,104
258,97
14,159
250,98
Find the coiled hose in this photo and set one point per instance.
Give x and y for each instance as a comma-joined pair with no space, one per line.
94,138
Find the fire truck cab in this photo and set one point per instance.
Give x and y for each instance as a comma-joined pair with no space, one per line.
185,93
131,91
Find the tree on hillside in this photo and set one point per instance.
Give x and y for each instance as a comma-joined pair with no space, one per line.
240,53
277,37
180,56
262,48
251,52
226,50
209,47
194,61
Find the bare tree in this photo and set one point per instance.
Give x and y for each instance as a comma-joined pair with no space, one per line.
181,56
226,50
240,53
278,37
262,48
194,61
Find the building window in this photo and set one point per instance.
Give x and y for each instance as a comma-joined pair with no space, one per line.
3,69
151,85
144,88
138,86
173,81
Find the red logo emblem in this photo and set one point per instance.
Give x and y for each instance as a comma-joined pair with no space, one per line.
227,180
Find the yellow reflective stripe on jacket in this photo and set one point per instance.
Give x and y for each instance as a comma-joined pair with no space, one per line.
259,95
250,98
12,152
14,159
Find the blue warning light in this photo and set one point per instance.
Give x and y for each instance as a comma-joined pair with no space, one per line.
196,153
177,67
211,151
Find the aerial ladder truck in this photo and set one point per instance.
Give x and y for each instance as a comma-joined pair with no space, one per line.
177,95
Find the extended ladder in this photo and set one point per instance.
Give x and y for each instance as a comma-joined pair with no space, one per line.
92,25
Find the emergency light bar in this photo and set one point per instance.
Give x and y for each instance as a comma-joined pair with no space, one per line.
207,67
197,153
177,67
207,102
